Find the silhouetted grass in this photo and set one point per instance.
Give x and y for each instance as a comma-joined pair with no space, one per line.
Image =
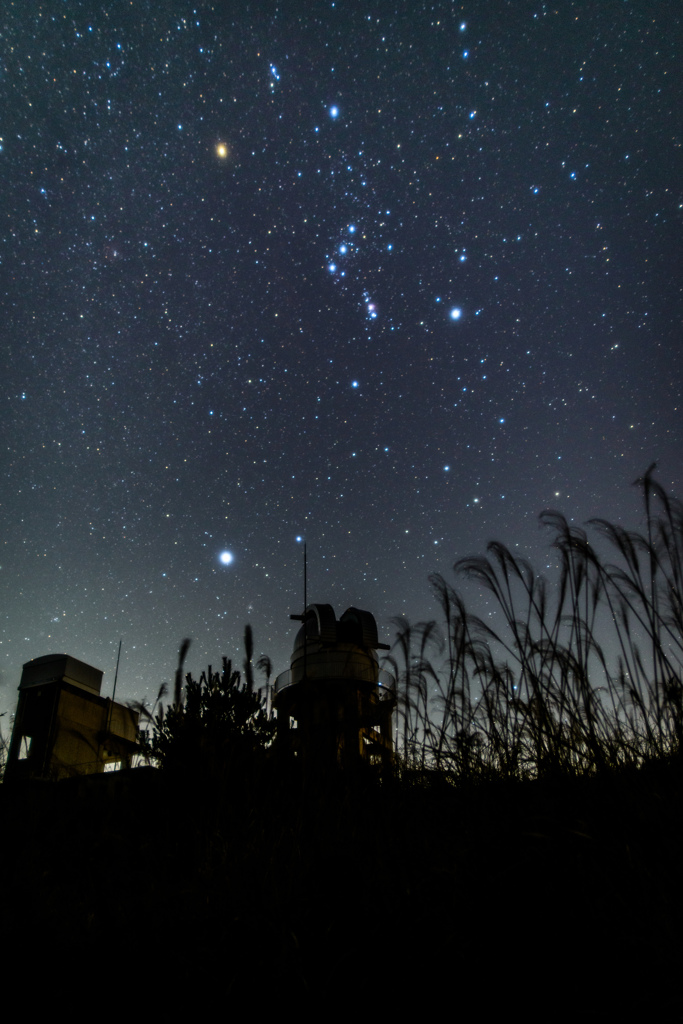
4,748
571,681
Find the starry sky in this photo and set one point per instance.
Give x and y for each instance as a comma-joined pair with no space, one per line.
393,277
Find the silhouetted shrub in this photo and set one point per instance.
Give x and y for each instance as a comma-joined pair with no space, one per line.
216,725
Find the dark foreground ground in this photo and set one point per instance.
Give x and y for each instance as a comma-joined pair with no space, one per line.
157,893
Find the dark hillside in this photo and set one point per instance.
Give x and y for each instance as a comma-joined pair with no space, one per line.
511,893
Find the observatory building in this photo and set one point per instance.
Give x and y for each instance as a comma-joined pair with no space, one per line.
334,705
63,727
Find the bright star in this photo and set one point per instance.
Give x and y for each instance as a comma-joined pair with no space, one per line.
221,150
226,557
334,111
456,313
332,267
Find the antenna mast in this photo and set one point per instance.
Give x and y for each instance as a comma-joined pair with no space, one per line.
116,673
111,705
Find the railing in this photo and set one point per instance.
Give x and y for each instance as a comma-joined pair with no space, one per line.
282,681
385,681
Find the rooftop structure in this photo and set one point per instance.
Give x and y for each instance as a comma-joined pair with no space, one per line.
334,705
63,726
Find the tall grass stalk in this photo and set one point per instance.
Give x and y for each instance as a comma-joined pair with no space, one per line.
576,680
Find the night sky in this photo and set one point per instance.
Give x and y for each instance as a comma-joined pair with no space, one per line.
394,277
